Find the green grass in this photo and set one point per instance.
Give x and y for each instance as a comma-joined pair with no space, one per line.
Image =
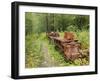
34,50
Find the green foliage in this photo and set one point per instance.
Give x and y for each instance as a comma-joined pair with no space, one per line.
46,22
83,37
81,22
72,28
28,23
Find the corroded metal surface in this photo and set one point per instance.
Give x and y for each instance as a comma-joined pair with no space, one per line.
69,46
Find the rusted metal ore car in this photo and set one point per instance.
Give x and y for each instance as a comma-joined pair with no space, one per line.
68,45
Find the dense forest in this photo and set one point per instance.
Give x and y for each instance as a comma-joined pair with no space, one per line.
39,52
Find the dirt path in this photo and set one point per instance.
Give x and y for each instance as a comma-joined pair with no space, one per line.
48,61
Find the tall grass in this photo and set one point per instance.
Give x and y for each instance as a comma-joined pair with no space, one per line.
33,57
83,37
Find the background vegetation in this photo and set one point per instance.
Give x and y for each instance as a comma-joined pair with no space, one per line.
39,52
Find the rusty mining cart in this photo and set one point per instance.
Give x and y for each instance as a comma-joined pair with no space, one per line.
68,45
